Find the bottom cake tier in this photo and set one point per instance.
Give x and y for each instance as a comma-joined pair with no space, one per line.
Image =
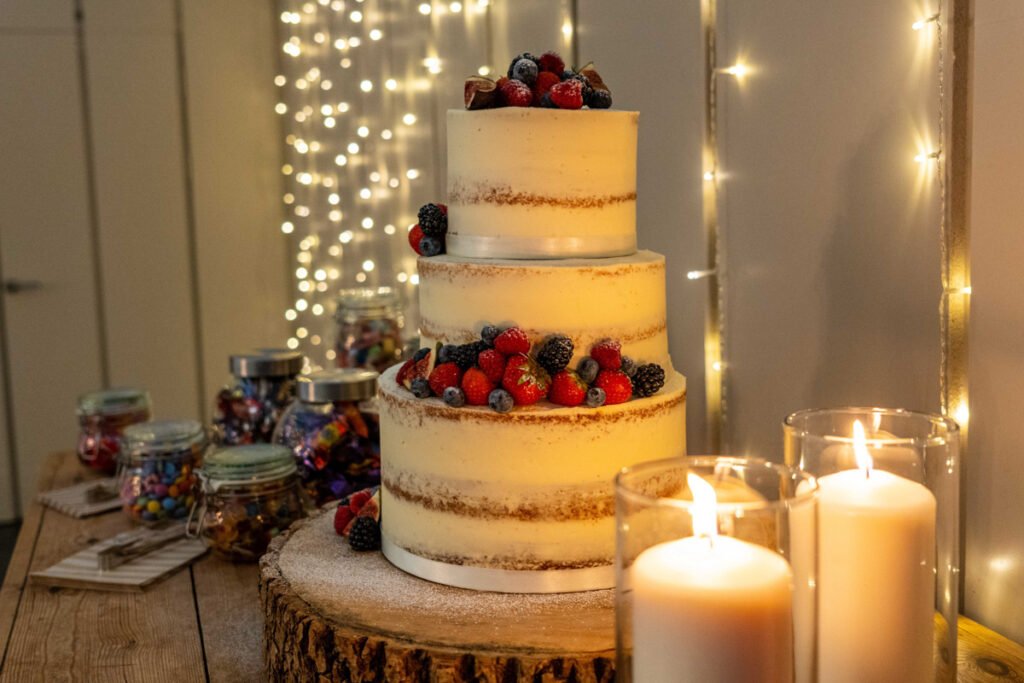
520,502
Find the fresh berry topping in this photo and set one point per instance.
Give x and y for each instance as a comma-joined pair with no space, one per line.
567,74
365,534
586,89
500,401
567,389
414,369
492,363
358,499
431,246
513,340
648,380
567,94
616,385
476,387
608,354
342,516
415,236
525,71
420,388
555,353
628,366
403,372
587,370
488,333
454,397
480,93
600,99
516,94
444,354
371,508
525,380
546,102
551,62
444,375
465,355
433,219
595,397
501,81
512,66
545,80
421,354
594,78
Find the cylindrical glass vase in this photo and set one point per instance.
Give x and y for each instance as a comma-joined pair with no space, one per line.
889,526
715,572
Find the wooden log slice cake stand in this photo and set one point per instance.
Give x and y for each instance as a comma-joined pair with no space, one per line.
332,614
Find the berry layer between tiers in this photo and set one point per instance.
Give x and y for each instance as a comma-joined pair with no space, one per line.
519,502
541,183
587,299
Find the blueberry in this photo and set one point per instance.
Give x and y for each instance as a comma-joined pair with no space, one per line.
599,99
567,74
489,333
500,401
546,102
518,58
595,397
525,71
587,370
421,354
628,366
431,246
420,388
454,397
445,354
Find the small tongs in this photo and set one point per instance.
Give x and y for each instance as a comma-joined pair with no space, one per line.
137,546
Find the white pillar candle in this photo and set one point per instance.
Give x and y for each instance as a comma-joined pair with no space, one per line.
876,583
711,609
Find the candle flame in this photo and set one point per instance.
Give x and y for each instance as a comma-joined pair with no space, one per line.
705,522
860,449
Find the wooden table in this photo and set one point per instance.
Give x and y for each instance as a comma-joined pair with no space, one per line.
203,624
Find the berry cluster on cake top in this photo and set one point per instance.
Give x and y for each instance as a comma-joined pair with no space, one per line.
500,371
427,237
539,82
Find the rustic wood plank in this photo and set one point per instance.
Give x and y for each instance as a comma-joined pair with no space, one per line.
984,656
229,610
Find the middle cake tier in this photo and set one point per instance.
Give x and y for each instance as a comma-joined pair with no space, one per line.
589,300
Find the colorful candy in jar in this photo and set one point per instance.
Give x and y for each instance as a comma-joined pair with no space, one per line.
102,417
368,331
157,469
333,432
264,386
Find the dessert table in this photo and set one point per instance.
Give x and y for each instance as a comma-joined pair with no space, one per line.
203,623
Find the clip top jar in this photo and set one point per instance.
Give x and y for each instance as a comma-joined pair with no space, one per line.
368,328
157,469
102,417
248,495
264,385
333,432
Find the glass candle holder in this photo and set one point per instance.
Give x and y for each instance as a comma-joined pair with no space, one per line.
889,526
715,572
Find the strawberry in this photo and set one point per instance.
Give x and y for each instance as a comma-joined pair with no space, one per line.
567,389
492,363
608,354
525,380
512,341
342,517
550,61
444,375
415,235
545,80
616,385
567,94
476,387
516,94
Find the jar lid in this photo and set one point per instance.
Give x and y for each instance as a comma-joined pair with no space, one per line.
249,464
345,384
266,363
112,401
163,435
366,301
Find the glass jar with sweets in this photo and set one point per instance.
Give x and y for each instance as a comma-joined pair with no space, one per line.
264,385
102,417
368,328
247,496
333,432
157,467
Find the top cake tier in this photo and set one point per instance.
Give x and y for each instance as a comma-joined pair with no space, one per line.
541,183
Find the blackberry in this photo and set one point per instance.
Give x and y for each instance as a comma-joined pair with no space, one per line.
465,355
433,220
588,90
515,60
648,380
587,370
365,534
595,397
454,397
628,366
420,388
500,401
431,246
489,333
599,99
525,71
555,353
444,354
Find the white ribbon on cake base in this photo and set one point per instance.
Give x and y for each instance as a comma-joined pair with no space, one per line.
500,580
476,246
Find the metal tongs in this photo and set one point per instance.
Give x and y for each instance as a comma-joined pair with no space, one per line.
137,544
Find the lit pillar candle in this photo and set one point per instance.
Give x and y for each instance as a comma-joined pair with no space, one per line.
710,608
876,583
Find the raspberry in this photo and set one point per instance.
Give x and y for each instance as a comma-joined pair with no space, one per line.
555,353
545,81
567,389
516,94
525,380
492,363
567,94
476,387
342,516
415,235
433,220
511,341
616,385
444,375
648,380
608,354
551,62
364,535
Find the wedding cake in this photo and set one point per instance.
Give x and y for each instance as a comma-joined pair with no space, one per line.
544,364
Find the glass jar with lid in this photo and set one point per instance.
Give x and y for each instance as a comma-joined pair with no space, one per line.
333,432
157,466
102,417
264,385
368,328
247,496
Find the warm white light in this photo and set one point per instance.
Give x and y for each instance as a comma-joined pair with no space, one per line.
393,183
331,355
290,314
320,275
424,8
363,131
925,157
433,64
921,23
860,449
356,16
341,160
305,286
301,147
401,277
333,199
716,366
346,237
375,177
389,229
293,343
334,215
341,44
702,510
301,333
739,70
342,107
281,108
334,250
353,148
455,7
314,146
329,122
391,84
484,70
287,227
412,174
414,278
409,119
366,85
345,63
302,211
385,134
367,223
709,175
287,169
360,277
567,29
365,193
368,265
280,80
354,41
288,198
376,34
962,414
326,84
301,273
319,38
301,84
301,305
304,178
